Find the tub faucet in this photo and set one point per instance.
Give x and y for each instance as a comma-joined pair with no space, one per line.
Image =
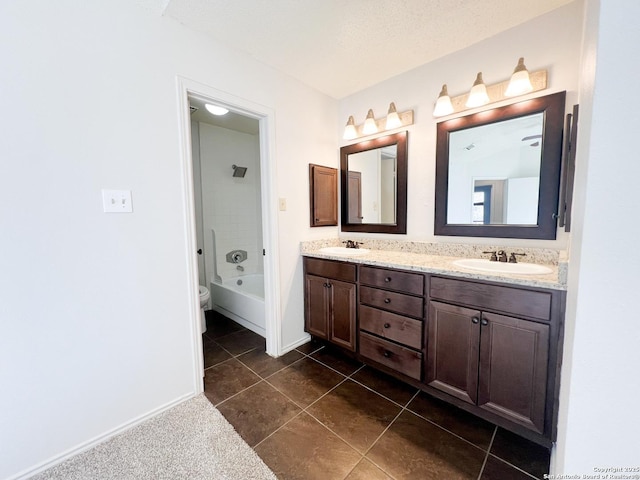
240,268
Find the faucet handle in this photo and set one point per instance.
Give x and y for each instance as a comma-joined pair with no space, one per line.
513,259
493,258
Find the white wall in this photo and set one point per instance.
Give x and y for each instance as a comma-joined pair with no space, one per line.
550,42
94,308
230,204
599,421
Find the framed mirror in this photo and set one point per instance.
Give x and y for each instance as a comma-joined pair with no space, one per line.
498,171
373,183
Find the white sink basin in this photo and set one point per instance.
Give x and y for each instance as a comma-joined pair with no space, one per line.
485,265
344,251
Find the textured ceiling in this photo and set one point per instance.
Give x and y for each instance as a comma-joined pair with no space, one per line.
336,46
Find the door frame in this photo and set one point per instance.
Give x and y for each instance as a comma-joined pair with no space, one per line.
266,118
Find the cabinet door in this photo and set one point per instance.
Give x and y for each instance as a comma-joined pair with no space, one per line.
513,369
323,184
316,313
342,314
453,340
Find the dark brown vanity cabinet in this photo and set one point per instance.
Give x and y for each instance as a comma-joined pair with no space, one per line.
330,301
391,313
490,346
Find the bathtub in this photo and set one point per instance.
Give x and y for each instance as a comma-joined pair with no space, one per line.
242,300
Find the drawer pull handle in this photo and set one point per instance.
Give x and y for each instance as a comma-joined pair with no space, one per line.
484,322
387,300
475,320
386,354
387,279
387,325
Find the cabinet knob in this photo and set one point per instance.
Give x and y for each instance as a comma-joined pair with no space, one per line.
484,322
387,353
387,325
387,279
328,285
475,320
387,300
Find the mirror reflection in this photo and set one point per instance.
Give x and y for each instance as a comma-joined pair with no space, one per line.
494,173
374,185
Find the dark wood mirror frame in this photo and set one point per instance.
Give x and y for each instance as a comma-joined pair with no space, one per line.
399,139
553,108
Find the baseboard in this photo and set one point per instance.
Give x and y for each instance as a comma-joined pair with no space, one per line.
297,343
53,461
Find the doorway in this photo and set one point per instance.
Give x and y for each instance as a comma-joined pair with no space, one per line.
265,257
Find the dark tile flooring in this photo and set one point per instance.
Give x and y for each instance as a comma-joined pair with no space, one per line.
317,414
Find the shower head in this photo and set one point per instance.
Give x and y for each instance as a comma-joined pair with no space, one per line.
239,171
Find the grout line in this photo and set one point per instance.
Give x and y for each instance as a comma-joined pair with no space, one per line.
486,457
382,395
514,466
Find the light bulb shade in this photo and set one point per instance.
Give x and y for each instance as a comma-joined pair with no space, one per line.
216,109
350,129
520,82
393,119
369,126
443,104
478,94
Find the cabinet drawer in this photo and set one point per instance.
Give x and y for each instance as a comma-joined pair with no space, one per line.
401,359
330,269
395,302
392,280
510,300
391,326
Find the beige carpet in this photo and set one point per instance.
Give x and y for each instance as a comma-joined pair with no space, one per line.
190,441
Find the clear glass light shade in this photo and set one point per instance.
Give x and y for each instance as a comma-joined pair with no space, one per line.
393,119
478,94
216,109
369,126
520,82
350,129
443,104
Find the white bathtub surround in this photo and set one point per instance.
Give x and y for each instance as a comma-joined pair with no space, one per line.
439,258
241,298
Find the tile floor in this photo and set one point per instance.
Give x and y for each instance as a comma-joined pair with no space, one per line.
316,414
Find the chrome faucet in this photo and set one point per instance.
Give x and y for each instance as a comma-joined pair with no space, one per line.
352,244
502,256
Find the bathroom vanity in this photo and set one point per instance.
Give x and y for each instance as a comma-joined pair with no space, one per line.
489,344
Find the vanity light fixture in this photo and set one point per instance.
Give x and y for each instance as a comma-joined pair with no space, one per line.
520,82
370,126
216,109
350,129
443,104
393,120
478,95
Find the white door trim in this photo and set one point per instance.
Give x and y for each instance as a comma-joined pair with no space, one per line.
266,117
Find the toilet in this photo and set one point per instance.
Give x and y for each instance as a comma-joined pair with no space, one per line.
204,303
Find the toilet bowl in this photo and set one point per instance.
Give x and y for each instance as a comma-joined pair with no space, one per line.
204,303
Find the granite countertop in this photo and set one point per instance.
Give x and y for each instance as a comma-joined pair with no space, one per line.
441,264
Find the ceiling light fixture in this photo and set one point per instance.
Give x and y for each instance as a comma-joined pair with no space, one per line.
443,104
478,95
216,109
520,82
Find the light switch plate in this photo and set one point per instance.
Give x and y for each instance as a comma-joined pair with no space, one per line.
116,201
